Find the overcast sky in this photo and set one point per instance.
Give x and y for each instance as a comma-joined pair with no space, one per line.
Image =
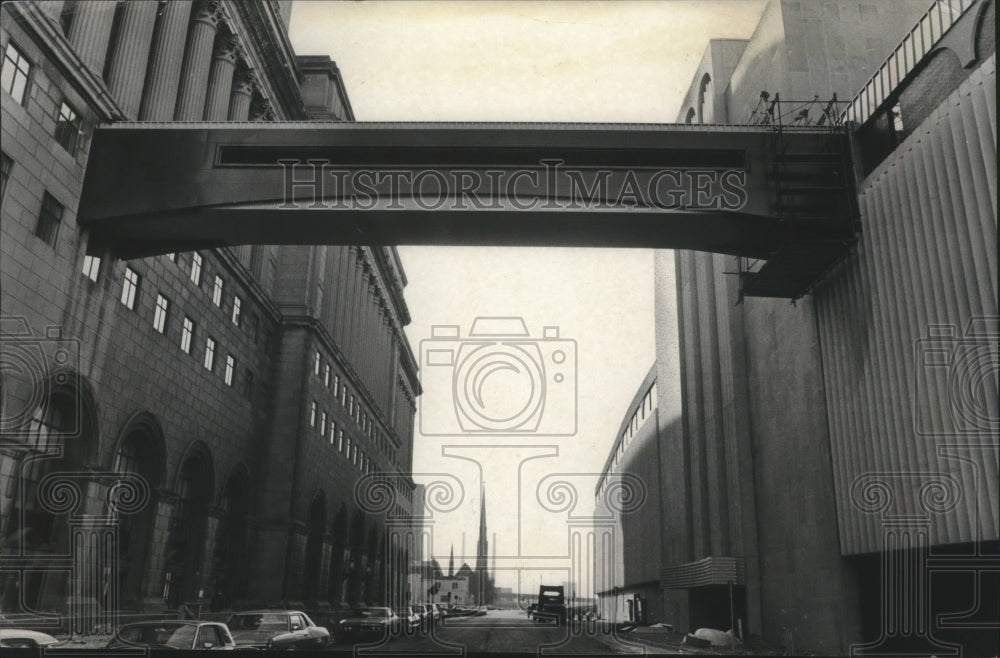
617,61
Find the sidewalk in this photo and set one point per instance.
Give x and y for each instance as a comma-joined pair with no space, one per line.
663,640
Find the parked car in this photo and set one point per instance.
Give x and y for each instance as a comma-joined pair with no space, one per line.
432,612
276,629
16,638
367,624
173,634
442,608
409,618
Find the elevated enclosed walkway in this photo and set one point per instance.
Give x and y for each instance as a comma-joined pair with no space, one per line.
784,200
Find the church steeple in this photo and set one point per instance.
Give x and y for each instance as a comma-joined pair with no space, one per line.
482,546
451,563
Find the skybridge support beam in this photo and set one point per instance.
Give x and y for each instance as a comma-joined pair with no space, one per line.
721,189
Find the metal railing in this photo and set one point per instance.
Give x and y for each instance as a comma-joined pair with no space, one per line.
933,25
780,113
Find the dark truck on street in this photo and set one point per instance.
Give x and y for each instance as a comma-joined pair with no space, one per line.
551,605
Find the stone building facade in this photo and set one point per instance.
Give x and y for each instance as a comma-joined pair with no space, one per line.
204,418
834,458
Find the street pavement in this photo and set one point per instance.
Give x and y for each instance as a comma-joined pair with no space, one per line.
498,632
508,631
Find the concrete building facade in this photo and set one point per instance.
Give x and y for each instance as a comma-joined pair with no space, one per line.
814,463
213,415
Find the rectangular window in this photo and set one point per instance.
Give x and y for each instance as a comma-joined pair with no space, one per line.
316,362
336,385
230,367
354,453
248,385
254,327
209,362
160,314
68,128
196,268
49,218
15,73
187,335
350,409
217,291
130,287
322,424
237,305
6,168
348,446
340,440
326,375
312,414
333,431
91,267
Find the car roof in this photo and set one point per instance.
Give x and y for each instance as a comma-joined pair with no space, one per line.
172,622
24,633
264,612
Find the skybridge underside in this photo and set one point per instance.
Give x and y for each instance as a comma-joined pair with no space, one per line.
782,200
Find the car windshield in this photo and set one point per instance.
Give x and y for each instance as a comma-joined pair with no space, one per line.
258,622
404,612
375,612
177,636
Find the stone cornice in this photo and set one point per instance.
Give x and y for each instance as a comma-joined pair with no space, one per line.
50,38
268,51
351,375
375,261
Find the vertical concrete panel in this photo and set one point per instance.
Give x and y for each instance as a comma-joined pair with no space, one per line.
713,469
927,257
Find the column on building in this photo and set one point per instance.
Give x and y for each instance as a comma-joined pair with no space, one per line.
54,9
90,31
260,109
239,100
156,584
128,64
197,61
220,77
326,552
207,585
160,94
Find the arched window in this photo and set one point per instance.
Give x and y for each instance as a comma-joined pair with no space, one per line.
314,550
231,546
137,456
185,549
690,116
706,108
57,440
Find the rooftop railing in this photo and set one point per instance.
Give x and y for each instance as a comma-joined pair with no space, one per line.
933,25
